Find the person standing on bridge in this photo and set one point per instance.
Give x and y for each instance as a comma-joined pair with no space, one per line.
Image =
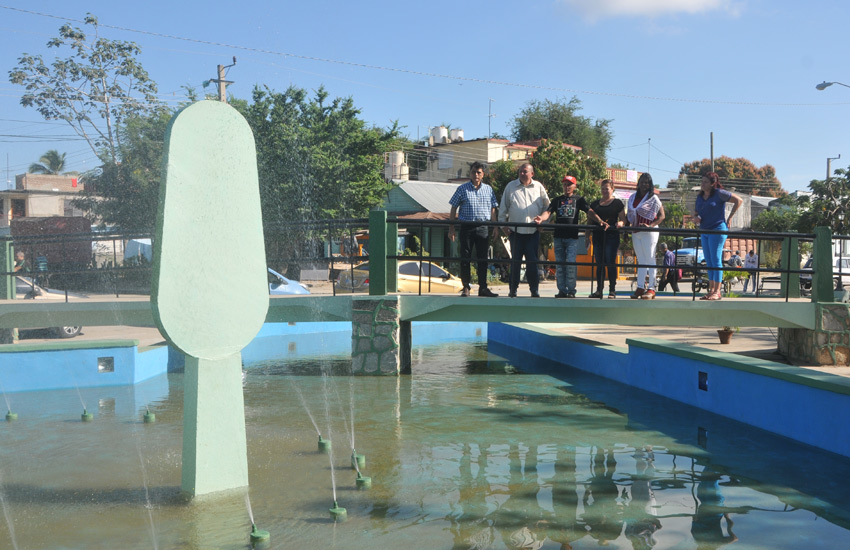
473,201
524,200
566,208
751,264
645,211
710,210
609,213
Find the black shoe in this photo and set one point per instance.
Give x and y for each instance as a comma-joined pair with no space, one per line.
571,294
562,295
464,293
512,294
487,293
597,294
535,295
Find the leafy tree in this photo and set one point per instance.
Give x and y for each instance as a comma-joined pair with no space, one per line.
738,173
317,160
829,204
126,195
782,219
560,121
95,89
500,173
553,160
51,162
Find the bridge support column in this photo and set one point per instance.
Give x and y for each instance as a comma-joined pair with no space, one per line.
380,341
828,344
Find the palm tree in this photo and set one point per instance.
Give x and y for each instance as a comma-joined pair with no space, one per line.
50,162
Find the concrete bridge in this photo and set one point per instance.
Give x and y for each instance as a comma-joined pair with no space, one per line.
815,330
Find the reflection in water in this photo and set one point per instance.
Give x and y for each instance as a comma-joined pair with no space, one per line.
465,453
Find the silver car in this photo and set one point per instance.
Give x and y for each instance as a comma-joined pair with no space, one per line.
27,289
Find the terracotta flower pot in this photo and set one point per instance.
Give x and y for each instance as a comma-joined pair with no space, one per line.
725,335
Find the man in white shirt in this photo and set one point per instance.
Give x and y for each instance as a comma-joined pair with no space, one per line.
751,263
523,200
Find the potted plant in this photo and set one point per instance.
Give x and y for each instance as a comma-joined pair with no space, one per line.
725,333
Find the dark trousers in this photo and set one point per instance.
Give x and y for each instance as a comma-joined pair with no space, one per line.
524,245
671,277
478,238
605,246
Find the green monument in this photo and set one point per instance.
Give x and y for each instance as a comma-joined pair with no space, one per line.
210,291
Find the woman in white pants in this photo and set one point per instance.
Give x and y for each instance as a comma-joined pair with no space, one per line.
645,210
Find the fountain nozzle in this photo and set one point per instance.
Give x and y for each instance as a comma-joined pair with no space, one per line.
324,444
149,416
357,461
86,416
363,482
337,513
11,416
258,535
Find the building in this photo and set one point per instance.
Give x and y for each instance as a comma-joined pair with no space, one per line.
39,196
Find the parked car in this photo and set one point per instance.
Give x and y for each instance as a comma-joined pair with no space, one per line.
434,279
27,289
279,285
840,272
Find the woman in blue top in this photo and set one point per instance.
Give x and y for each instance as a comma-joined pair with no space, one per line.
711,213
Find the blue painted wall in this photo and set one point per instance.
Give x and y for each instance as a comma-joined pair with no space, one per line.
807,406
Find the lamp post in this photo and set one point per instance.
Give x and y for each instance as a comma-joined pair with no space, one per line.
824,85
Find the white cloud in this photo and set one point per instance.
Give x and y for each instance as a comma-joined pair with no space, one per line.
599,9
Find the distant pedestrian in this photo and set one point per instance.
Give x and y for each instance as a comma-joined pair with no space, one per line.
669,271
473,201
20,263
751,264
524,200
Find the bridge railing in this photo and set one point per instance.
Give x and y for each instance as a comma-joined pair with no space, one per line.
787,274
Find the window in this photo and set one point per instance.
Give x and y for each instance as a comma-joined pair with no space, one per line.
19,208
432,270
408,268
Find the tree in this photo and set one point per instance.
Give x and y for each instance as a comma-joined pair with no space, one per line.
829,205
553,160
125,196
739,174
559,121
500,173
50,162
95,89
317,160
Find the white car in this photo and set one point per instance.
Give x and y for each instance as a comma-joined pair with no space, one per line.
27,289
278,284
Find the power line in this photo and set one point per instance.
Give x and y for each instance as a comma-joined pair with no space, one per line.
425,73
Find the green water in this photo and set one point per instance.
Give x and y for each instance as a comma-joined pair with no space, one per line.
466,453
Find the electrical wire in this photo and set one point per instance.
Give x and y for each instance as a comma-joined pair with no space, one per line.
425,73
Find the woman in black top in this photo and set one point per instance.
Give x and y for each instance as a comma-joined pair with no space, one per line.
610,213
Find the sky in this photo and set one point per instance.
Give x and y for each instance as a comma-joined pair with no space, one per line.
667,73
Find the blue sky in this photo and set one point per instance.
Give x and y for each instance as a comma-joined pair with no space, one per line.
669,71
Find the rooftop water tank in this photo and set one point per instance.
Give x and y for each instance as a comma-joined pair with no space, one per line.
440,134
457,134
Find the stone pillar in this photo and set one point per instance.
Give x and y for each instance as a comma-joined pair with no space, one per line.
376,336
828,344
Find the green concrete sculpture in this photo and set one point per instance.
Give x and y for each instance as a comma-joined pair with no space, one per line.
210,290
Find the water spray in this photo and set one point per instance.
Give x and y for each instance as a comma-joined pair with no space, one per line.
357,461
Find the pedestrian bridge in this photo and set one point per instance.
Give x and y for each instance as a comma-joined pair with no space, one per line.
669,311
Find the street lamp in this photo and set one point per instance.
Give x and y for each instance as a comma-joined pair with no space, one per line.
824,85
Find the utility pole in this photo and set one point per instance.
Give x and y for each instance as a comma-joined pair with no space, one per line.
648,152
829,167
222,83
712,151
490,116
